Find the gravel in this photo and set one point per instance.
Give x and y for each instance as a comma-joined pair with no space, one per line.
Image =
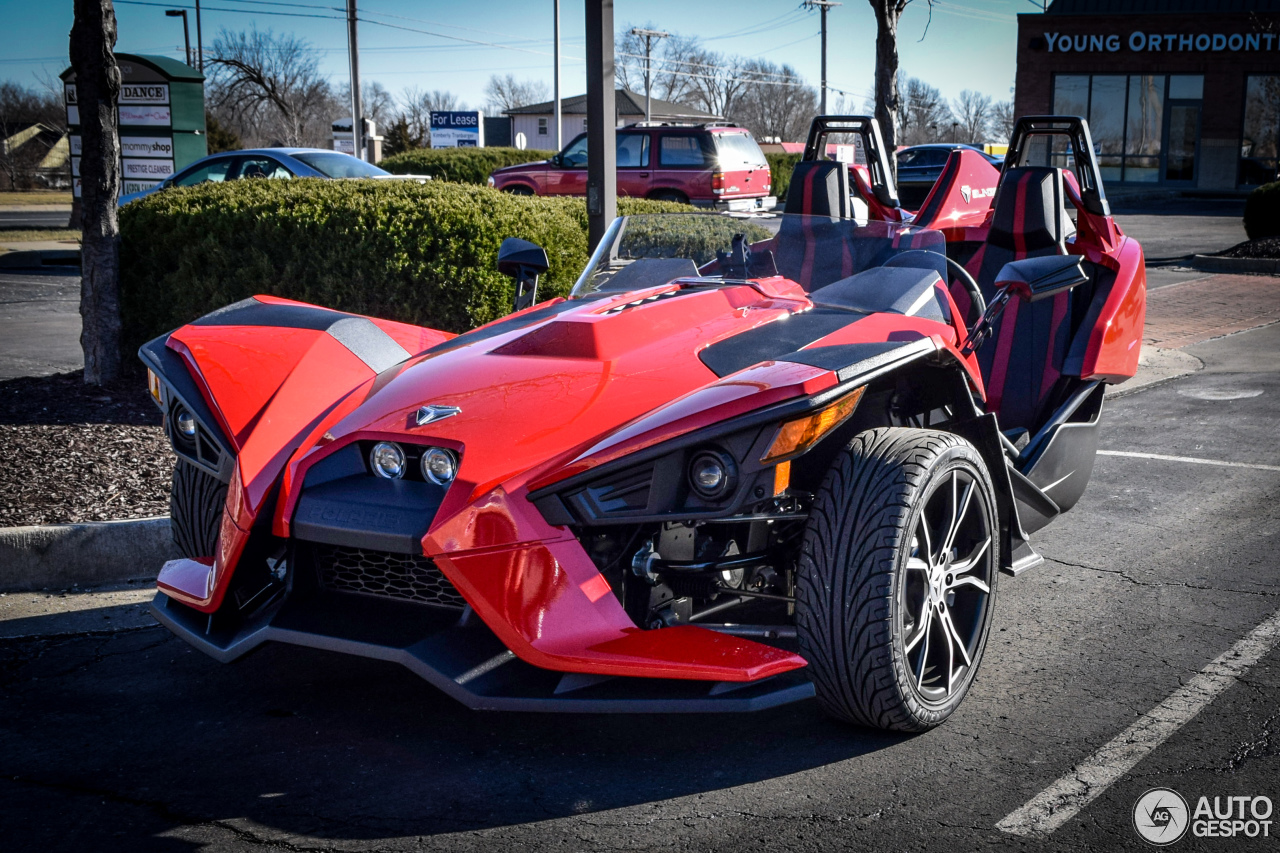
1265,247
70,452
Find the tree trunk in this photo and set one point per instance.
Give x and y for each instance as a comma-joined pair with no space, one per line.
886,85
93,39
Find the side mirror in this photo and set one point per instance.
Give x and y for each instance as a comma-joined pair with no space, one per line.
557,160
524,262
1034,279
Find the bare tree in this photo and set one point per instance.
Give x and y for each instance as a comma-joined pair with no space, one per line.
93,40
675,59
1002,120
972,114
781,108
716,81
507,93
923,114
375,101
416,106
888,12
270,88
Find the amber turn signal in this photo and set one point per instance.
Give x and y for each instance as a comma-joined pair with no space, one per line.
153,385
795,437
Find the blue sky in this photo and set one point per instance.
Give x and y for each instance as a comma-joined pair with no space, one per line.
970,43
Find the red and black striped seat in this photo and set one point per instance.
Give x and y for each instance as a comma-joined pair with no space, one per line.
1023,362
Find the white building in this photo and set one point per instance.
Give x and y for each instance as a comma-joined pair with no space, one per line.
537,121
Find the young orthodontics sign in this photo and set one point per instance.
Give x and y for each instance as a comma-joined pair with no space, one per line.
1139,41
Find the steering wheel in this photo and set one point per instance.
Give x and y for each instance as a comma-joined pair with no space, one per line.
977,304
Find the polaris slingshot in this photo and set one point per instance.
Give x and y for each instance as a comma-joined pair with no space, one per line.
747,461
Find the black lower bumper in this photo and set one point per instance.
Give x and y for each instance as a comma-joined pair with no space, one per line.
463,658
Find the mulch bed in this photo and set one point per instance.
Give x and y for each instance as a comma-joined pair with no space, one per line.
71,452
1265,247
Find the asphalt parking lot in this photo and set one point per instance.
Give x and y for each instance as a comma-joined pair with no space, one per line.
116,736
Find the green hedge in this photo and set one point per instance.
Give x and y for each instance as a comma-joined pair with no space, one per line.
464,165
1262,212
420,253
781,167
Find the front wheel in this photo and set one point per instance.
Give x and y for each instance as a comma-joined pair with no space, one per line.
517,189
195,510
896,580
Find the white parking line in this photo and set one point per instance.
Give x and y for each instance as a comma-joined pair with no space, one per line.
1192,459
1064,799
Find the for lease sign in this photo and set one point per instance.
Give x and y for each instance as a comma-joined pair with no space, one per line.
457,129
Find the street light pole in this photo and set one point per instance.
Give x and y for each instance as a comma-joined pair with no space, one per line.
602,118
357,136
199,41
648,36
186,33
823,6
559,120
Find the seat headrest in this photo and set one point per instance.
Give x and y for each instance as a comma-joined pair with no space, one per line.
819,188
1030,211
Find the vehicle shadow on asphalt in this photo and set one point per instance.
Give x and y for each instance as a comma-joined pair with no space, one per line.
150,736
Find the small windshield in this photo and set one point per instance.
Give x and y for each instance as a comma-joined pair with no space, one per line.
813,251
335,164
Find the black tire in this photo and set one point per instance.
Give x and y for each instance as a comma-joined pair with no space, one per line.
195,509
868,602
517,189
670,195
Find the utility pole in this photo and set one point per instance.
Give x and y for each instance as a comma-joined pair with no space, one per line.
823,6
559,120
357,131
648,36
199,41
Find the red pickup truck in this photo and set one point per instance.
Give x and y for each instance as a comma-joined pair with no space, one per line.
706,165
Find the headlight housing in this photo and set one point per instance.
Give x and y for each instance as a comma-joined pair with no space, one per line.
439,466
387,460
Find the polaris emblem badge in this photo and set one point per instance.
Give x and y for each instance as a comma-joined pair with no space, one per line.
431,414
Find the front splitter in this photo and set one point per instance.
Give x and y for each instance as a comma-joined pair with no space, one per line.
463,658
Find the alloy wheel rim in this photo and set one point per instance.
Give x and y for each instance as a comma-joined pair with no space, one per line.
945,592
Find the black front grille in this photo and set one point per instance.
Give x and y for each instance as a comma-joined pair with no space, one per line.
415,578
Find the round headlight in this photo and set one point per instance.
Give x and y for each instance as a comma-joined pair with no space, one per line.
185,423
439,466
711,474
387,460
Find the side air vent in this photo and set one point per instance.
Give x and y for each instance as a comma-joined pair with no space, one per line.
648,300
625,491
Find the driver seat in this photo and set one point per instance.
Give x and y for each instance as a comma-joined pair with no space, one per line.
1023,360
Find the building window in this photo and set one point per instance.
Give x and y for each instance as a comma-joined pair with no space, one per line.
542,127
1127,117
1258,148
584,125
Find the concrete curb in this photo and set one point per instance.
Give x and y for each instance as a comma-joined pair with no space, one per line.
40,258
1155,366
59,556
1213,263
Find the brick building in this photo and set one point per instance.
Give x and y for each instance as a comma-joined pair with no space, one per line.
1180,93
